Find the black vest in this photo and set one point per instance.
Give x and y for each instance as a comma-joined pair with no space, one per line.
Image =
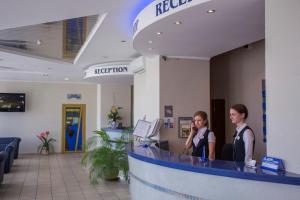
198,150
239,145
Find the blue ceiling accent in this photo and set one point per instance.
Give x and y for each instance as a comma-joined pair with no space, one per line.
135,11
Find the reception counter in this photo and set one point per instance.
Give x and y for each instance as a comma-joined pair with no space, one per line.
159,174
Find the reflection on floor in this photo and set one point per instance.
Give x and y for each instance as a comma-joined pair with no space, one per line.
56,177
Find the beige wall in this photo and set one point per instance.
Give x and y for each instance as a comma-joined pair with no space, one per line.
119,95
184,83
236,76
283,80
43,111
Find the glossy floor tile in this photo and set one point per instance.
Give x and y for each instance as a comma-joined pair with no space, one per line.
56,177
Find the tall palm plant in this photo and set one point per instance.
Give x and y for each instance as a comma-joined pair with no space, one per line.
105,158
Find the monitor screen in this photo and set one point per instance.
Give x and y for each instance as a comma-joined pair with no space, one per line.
12,102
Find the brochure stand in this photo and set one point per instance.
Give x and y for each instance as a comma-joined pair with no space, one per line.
144,132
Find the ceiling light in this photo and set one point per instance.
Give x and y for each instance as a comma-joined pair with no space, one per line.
178,22
66,79
150,42
38,42
123,40
150,49
158,33
211,11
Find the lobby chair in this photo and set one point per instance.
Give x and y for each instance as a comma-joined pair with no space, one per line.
7,140
3,157
164,145
227,152
10,150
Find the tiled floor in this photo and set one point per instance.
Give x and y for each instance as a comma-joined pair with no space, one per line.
56,177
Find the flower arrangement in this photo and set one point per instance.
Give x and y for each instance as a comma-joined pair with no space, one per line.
113,115
46,145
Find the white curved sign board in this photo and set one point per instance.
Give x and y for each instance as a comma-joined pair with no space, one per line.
107,70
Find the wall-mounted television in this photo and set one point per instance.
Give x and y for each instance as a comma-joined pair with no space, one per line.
12,102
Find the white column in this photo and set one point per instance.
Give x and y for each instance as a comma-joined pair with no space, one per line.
98,106
147,91
283,80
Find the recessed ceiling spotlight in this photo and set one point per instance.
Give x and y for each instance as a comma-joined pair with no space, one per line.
158,33
39,42
66,79
123,41
150,49
211,11
178,22
150,41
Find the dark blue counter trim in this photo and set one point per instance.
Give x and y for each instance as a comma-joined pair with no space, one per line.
217,167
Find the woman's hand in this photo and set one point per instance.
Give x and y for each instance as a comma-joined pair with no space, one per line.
193,129
188,143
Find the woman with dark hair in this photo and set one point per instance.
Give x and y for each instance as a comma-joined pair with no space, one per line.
244,139
201,138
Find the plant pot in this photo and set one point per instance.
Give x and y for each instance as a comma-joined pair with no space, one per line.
44,151
111,174
113,125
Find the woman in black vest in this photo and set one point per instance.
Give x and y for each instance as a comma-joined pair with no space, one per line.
201,138
244,139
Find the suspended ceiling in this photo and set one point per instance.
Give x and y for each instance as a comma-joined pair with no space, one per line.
112,40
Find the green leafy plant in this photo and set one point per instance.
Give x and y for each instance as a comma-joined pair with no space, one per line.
105,158
46,143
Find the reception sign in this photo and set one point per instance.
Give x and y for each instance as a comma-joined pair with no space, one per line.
160,9
107,70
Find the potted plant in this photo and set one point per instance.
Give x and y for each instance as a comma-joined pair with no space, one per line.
105,158
46,146
113,116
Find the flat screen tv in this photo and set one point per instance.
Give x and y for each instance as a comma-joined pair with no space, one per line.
12,102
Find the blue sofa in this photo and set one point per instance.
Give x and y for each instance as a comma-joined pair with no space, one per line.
7,140
3,157
10,150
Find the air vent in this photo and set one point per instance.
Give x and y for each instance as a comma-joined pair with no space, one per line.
19,44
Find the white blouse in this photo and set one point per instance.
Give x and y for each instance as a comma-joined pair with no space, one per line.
200,135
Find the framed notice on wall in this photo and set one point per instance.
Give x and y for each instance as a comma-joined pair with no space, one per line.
184,126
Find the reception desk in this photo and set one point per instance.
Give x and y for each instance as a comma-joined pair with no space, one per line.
114,133
159,174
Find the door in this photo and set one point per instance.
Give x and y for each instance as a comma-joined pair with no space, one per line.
218,124
73,127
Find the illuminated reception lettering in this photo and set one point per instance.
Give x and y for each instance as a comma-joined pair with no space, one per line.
109,70
165,5
172,5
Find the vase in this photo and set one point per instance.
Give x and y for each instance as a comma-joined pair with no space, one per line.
113,125
44,151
